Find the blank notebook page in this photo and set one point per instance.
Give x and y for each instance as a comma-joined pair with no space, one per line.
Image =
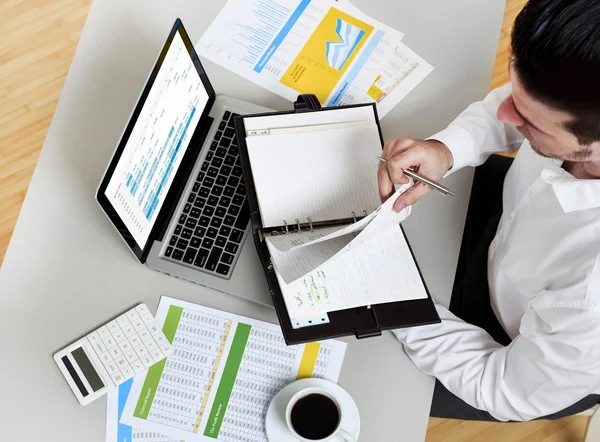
325,174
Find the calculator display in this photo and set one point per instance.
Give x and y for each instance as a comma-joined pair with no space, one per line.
86,367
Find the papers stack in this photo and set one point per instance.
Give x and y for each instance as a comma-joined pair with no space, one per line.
219,380
322,47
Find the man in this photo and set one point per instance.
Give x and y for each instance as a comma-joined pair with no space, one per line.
522,337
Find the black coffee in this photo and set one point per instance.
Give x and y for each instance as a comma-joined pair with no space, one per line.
315,416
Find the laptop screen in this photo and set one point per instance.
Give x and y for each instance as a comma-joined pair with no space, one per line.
158,142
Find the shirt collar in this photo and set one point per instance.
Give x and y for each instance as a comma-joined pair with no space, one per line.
573,194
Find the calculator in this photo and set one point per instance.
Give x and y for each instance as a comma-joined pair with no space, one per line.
112,354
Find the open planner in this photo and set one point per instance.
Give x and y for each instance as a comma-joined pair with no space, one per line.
336,259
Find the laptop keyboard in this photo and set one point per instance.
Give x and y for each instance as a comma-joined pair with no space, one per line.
210,229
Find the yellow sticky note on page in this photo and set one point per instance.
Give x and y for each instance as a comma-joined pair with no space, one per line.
374,92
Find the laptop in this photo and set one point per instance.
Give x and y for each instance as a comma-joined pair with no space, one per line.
174,188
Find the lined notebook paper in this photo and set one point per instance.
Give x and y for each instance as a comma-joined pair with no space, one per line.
297,262
376,271
323,175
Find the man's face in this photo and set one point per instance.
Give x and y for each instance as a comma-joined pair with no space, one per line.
543,126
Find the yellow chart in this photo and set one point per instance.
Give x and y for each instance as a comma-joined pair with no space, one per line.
325,57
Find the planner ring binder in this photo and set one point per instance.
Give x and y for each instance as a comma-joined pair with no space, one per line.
309,226
362,322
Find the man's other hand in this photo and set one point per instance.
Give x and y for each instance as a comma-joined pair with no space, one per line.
431,159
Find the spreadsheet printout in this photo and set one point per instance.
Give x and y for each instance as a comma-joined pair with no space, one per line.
223,372
117,432
322,47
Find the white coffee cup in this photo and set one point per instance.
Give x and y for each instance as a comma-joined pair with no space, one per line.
336,434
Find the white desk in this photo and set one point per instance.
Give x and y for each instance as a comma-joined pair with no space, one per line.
66,271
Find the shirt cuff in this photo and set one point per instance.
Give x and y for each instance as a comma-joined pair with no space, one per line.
460,143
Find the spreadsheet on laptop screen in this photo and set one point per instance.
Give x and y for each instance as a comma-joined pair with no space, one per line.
158,142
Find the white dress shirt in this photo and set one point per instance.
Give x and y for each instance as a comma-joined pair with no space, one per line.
544,280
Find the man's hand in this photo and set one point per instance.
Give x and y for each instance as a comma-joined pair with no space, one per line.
429,158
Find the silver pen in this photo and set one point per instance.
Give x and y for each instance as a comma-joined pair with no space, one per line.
425,181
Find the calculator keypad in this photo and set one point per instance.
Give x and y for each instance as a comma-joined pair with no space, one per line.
129,344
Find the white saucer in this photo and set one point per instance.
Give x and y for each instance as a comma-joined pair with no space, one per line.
277,430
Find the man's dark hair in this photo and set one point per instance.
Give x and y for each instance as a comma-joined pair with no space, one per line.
556,54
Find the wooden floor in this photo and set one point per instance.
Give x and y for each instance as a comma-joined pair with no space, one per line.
37,42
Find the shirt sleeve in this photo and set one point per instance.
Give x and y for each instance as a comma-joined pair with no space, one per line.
552,364
477,133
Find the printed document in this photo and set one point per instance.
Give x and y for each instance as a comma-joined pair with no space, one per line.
220,378
322,47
